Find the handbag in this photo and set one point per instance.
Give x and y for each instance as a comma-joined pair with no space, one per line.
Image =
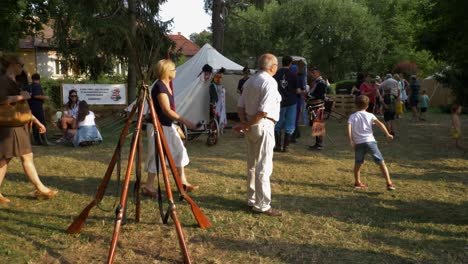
15,114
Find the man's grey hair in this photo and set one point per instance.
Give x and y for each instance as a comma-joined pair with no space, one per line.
266,61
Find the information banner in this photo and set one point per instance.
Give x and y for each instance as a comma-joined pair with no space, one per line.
97,94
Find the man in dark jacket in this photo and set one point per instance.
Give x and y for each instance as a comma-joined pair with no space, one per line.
288,87
36,104
318,89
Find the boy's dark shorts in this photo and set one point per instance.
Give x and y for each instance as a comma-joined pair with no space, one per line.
371,147
388,116
423,109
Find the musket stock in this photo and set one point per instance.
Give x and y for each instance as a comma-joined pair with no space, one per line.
123,198
79,222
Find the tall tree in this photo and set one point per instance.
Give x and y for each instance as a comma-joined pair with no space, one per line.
93,33
337,36
446,34
219,10
20,18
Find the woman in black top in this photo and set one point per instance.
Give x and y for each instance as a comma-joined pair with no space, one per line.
163,99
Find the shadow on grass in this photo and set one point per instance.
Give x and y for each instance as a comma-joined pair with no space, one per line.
432,176
441,176
366,210
75,184
301,253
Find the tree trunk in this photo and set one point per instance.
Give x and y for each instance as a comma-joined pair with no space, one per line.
217,25
132,72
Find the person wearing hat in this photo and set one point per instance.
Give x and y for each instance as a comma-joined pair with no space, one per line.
318,89
207,71
218,99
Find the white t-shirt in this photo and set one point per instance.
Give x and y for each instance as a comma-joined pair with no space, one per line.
361,126
260,94
88,121
392,85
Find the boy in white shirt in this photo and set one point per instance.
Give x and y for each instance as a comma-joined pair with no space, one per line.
362,140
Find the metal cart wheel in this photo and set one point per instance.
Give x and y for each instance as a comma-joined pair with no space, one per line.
189,135
213,133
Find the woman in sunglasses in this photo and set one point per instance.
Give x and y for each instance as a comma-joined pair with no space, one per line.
68,119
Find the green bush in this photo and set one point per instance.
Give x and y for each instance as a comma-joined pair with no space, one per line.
332,88
344,87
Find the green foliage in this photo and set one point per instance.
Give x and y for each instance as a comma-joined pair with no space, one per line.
338,36
201,38
445,33
90,35
19,18
181,59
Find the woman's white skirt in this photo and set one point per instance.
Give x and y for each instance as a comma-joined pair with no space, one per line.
176,147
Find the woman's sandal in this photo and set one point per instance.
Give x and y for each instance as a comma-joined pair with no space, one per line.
45,195
4,200
189,187
149,193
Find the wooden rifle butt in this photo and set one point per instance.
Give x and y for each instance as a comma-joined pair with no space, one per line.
79,222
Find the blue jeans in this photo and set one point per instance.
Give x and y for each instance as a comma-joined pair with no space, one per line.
287,119
371,147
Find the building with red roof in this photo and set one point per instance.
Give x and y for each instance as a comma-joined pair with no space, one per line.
183,45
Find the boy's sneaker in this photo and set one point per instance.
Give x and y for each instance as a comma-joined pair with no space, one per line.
60,140
360,185
391,187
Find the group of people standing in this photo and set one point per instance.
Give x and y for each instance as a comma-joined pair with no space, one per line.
392,96
294,93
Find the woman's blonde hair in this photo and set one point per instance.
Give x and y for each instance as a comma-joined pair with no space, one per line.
162,68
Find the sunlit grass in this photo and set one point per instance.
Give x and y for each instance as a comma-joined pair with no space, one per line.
325,220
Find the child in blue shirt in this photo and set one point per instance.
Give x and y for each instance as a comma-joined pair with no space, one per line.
423,105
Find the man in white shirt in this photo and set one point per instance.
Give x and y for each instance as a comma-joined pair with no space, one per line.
258,108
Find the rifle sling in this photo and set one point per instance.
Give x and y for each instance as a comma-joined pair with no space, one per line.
160,201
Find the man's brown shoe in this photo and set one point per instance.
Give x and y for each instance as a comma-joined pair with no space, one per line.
271,212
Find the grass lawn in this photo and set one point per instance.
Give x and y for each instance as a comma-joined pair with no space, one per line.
324,219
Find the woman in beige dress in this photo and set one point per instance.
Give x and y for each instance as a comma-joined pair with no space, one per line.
15,141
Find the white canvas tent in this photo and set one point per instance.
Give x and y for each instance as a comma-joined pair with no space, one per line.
191,93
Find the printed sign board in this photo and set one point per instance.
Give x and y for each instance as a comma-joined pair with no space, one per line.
97,94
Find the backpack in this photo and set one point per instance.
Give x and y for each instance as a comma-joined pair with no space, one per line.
389,101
